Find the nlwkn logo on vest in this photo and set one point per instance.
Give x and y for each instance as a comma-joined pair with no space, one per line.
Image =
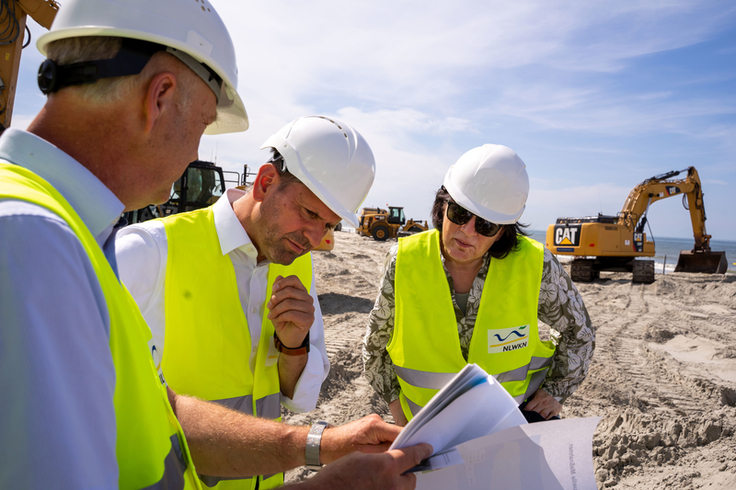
508,339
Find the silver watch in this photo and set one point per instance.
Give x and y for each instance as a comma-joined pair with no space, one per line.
314,438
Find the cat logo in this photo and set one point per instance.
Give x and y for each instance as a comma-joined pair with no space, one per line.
638,242
567,235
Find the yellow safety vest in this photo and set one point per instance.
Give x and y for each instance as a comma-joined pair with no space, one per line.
207,344
425,345
151,449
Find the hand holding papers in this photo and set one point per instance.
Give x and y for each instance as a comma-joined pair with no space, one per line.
471,405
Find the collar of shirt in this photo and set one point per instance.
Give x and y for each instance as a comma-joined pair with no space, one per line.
96,205
230,230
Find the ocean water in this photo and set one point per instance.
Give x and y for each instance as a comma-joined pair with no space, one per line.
668,249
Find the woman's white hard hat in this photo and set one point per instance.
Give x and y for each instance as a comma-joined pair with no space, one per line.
331,158
490,181
192,27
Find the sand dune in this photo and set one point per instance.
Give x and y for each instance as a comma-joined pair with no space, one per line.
663,376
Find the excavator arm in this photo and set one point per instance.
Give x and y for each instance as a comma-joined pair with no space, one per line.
13,17
633,214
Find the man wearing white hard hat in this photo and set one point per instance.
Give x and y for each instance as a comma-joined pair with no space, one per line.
132,85
486,285
228,291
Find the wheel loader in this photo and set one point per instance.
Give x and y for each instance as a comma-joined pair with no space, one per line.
618,243
382,224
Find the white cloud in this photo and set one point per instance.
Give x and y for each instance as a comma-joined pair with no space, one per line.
424,81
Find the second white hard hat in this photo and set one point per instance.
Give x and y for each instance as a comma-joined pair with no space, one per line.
490,181
332,159
191,27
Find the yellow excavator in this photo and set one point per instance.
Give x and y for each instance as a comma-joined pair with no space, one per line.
614,243
13,30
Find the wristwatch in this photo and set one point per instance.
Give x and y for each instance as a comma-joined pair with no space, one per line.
314,438
302,350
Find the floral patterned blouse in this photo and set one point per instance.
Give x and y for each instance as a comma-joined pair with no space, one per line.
560,306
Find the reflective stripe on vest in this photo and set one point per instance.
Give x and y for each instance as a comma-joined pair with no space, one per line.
150,446
268,407
425,345
207,345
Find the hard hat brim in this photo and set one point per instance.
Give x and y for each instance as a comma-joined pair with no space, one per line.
231,114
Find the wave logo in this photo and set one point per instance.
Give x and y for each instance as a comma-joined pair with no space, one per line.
508,339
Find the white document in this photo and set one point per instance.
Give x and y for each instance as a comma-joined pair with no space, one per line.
471,405
552,455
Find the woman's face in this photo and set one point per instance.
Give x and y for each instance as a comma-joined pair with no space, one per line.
462,244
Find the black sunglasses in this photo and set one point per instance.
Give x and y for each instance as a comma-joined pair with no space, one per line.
459,215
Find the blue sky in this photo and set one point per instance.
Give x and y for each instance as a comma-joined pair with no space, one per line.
594,96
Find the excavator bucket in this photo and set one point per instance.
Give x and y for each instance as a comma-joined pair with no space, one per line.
707,262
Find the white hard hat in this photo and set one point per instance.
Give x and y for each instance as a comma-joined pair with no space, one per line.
192,27
332,159
490,181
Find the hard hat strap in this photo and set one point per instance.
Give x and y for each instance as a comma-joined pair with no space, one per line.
213,81
133,56
277,160
130,60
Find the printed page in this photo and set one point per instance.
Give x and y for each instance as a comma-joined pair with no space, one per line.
553,455
472,405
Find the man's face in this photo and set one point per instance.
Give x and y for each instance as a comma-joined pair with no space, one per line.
292,222
184,135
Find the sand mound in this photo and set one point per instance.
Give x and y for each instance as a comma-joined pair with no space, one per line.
663,377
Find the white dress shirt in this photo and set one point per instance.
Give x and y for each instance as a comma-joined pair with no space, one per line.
57,378
142,252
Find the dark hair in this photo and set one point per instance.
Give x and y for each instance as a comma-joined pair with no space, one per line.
508,241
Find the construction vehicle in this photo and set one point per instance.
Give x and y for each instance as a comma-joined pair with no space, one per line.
615,243
13,17
201,185
382,224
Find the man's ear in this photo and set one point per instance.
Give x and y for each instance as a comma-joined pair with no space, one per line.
160,98
266,181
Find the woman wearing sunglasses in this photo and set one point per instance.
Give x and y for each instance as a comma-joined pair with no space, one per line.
472,290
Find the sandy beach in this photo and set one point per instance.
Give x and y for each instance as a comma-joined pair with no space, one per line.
663,377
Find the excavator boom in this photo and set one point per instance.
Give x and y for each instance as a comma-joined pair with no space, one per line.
13,28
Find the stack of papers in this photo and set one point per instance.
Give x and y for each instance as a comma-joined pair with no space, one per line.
552,455
471,405
482,441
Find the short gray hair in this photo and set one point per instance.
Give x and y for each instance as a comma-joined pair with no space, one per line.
107,90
